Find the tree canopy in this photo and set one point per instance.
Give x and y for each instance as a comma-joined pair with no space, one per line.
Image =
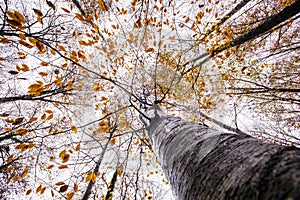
78,76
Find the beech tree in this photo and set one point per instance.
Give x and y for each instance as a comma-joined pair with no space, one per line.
78,79
204,163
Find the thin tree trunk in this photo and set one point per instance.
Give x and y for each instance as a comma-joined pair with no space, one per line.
203,163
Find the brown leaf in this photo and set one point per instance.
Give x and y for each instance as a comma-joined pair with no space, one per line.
38,12
13,72
63,188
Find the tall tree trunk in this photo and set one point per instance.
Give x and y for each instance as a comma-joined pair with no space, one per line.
203,163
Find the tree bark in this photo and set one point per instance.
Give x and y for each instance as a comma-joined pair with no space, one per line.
204,163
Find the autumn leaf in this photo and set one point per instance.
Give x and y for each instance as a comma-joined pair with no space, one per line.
80,17
66,10
137,24
102,5
70,195
21,131
60,183
62,166
24,173
74,129
63,188
43,73
112,141
28,192
18,121
77,147
75,188
12,72
38,12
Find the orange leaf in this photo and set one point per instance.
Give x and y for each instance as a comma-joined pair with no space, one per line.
22,36
32,119
77,147
44,63
75,188
65,158
74,129
25,44
60,183
19,17
61,48
50,166
102,5
63,166
24,173
21,131
79,16
70,195
43,74
69,85
112,141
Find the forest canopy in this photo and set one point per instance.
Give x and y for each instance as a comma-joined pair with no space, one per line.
77,78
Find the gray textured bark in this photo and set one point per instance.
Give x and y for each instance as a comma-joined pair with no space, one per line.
203,163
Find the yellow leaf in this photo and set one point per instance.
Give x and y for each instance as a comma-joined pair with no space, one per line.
102,5
74,129
62,153
24,173
53,51
69,85
94,177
